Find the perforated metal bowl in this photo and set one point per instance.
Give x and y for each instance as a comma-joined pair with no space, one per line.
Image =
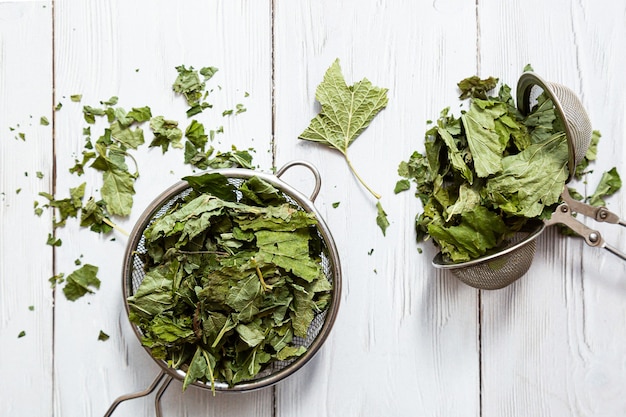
133,273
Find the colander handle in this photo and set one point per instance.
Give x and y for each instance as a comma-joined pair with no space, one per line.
149,390
311,167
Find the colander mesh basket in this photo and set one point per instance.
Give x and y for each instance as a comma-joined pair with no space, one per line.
133,273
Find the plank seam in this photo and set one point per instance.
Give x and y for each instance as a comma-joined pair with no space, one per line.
480,354
273,82
53,189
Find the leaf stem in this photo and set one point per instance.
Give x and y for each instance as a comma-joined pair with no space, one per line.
358,177
265,286
116,227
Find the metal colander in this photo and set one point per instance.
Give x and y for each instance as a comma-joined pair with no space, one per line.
133,274
514,257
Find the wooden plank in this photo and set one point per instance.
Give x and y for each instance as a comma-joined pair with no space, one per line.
25,260
130,50
405,341
553,342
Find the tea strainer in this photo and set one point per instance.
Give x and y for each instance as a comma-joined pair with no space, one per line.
514,257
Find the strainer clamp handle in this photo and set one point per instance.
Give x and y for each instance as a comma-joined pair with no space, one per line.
564,215
160,379
310,167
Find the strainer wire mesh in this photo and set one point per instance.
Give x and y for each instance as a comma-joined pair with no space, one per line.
499,269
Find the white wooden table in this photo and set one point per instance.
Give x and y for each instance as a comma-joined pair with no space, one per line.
409,340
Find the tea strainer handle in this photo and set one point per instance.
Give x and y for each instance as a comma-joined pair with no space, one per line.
563,215
161,378
311,167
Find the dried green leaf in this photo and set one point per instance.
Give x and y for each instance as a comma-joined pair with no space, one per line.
188,84
381,218
131,138
609,184
117,191
140,114
94,215
81,282
484,142
166,133
402,185
475,87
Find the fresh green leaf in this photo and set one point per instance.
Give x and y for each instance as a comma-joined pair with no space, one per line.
346,112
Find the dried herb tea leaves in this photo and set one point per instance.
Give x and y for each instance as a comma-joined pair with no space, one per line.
483,174
67,207
81,282
166,133
609,184
233,278
192,87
